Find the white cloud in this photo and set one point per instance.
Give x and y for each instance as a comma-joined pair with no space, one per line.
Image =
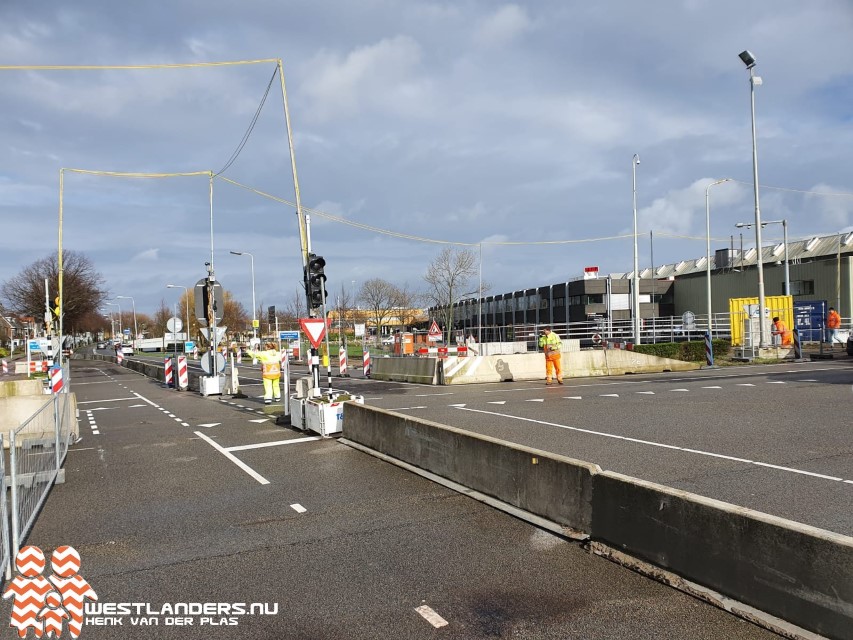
835,208
503,26
150,255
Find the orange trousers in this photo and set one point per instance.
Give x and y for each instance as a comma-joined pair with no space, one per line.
553,365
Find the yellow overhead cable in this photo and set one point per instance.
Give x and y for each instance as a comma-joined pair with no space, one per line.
396,234
122,174
96,67
816,193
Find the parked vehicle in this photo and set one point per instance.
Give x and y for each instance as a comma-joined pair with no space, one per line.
850,345
127,349
101,345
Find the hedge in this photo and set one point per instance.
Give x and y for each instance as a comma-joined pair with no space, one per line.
687,351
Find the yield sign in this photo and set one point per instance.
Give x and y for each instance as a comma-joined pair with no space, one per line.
314,328
434,332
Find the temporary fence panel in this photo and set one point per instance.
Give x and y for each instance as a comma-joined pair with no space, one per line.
37,450
781,306
5,556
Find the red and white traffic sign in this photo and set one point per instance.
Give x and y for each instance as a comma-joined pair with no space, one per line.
434,333
314,328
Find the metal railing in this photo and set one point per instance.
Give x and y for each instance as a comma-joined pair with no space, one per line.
5,556
37,449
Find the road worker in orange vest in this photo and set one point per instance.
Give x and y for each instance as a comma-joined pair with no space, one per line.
270,360
551,344
833,324
786,337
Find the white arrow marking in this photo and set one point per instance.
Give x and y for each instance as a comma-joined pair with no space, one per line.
497,402
536,400
609,395
259,420
210,424
648,393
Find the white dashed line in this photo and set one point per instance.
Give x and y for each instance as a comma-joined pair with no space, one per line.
298,508
648,393
712,387
431,616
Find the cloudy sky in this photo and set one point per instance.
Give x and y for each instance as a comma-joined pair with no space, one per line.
501,125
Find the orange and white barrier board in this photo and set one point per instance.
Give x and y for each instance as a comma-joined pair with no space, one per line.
167,371
443,352
38,366
56,379
342,362
183,374
366,363
5,368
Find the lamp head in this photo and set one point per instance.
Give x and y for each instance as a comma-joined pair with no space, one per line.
636,158
236,253
747,58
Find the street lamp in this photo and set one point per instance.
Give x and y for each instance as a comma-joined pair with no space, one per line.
636,283
120,319
708,250
749,60
135,329
784,224
254,306
187,296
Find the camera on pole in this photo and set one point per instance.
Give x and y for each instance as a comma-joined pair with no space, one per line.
315,281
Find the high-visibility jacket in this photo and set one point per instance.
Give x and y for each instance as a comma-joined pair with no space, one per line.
551,343
833,320
783,332
270,363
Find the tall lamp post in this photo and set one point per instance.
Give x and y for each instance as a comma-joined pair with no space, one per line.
135,329
254,306
784,223
708,251
187,297
635,296
749,60
120,330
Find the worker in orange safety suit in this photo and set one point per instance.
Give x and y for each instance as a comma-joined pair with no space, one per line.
833,324
270,360
551,344
786,337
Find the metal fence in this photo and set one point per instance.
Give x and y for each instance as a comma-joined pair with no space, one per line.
37,449
5,556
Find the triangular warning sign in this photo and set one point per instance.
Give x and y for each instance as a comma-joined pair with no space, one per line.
314,328
434,330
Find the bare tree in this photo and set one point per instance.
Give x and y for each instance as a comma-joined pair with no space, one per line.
380,298
449,278
407,305
83,290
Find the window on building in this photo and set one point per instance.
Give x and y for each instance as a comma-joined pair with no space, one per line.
800,288
559,303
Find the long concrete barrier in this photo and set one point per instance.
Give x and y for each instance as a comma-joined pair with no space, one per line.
796,577
554,487
521,366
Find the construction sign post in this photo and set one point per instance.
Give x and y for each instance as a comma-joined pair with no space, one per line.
434,333
315,329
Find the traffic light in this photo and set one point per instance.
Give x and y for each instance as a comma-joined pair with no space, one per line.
315,280
271,314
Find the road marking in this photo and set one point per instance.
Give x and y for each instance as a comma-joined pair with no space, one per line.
775,382
261,445
207,425
712,387
745,384
679,389
573,397
648,393
298,508
807,380
608,395
456,405
536,400
496,402
259,420
257,476
407,408
102,401
134,406
431,616
662,445
424,395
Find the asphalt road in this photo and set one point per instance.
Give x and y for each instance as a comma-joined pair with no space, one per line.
174,498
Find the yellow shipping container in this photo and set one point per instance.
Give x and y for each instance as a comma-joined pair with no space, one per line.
782,306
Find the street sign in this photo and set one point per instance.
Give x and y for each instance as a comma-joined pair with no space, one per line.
189,345
217,365
434,333
174,324
288,335
596,338
314,328
220,331
359,330
34,345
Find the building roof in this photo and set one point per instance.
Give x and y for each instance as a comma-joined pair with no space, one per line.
805,249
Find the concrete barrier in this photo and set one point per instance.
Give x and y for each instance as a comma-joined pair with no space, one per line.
790,577
545,484
22,399
405,369
799,573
